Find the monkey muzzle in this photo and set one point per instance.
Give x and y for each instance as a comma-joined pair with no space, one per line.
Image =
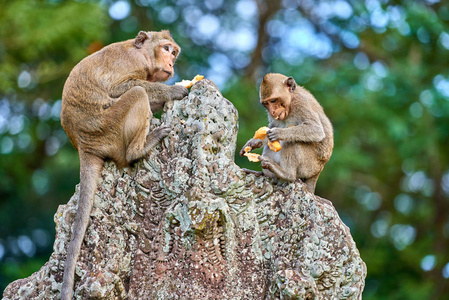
281,116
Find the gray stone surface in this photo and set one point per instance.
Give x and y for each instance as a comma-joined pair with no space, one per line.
188,223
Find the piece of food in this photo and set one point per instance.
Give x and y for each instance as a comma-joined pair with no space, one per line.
198,78
253,157
261,134
185,83
274,146
189,83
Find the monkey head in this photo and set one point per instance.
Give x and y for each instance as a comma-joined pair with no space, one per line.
161,51
276,94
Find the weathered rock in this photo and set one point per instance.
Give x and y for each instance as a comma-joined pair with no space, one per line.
188,223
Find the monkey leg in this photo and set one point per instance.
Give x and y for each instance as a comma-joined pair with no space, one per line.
311,182
136,112
309,169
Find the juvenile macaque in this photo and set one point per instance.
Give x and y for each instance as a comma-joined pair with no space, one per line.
107,103
298,122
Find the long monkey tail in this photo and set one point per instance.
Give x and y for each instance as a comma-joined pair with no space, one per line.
90,170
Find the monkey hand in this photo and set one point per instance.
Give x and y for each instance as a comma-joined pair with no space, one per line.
274,134
159,133
155,136
265,162
178,92
163,131
251,145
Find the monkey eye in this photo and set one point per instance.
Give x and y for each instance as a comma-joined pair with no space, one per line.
166,48
174,53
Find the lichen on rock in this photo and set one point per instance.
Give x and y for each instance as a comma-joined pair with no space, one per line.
187,223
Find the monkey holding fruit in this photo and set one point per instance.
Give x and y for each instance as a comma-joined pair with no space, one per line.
298,122
107,103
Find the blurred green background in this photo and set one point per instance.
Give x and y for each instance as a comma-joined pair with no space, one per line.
379,68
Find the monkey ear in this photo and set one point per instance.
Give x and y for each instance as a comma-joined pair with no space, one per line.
140,39
167,32
290,83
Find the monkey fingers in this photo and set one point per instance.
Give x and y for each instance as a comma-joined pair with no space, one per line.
265,162
162,131
178,92
248,171
273,134
251,145
245,150
155,136
255,143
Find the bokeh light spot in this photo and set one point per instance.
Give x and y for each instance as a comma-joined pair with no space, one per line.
428,262
208,25
26,245
119,10
446,271
403,203
24,80
402,235
41,182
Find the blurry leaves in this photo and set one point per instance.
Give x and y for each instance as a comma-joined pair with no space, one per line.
45,38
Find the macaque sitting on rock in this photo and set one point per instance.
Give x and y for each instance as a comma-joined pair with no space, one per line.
107,103
298,122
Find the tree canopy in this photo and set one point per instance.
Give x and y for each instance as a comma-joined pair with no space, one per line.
378,67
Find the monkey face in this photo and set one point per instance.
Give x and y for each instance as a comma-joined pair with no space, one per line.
278,107
165,55
276,94
161,52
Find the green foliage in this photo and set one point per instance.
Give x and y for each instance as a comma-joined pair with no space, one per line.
22,270
245,97
47,38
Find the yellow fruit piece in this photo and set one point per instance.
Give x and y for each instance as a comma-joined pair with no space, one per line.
198,78
261,134
247,149
274,146
253,157
189,83
185,83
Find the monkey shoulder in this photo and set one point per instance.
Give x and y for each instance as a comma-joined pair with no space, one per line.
114,57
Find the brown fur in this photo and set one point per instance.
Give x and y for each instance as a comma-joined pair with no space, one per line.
107,102
303,129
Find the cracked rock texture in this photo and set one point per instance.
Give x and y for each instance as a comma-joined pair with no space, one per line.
187,223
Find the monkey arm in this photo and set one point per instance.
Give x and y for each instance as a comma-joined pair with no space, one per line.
309,130
155,89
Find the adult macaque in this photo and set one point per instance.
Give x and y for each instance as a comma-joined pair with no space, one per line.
107,102
298,122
